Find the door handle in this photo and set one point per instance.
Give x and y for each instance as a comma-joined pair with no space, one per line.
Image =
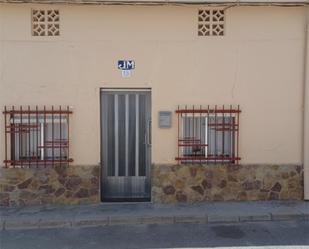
148,136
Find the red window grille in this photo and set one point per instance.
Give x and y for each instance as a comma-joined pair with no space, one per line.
37,137
208,135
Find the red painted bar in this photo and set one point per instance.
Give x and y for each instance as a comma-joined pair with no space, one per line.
226,129
60,147
190,145
29,136
193,123
57,142
21,127
216,132
219,124
53,151
44,127
39,111
37,134
200,137
233,132
189,140
184,123
55,146
6,139
13,139
21,136
237,150
207,158
223,130
41,161
178,131
68,124
206,111
207,131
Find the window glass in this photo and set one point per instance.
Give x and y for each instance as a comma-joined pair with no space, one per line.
207,137
40,138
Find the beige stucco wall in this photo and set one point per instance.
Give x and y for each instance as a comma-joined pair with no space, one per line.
257,64
306,115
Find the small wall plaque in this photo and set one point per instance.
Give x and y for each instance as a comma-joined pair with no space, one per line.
165,119
126,67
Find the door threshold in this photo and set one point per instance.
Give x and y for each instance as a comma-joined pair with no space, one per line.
126,200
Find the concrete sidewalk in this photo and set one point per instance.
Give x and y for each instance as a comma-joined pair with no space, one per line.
106,214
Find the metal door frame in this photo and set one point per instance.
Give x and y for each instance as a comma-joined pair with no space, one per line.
148,167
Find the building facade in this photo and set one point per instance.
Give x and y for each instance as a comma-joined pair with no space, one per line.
178,102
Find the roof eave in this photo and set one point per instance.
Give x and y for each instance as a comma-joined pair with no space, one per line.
161,2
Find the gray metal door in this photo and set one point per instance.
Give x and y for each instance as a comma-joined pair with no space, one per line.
126,144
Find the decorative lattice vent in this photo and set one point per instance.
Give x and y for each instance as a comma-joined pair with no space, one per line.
45,23
211,22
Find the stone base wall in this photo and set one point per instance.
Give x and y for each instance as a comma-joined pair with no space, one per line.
197,183
60,185
170,184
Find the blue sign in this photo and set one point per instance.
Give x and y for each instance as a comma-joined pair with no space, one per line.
126,64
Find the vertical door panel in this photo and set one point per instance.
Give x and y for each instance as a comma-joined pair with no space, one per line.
142,135
125,140
109,118
121,135
132,135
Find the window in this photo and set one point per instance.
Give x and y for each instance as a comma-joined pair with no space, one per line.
36,137
208,135
210,22
45,23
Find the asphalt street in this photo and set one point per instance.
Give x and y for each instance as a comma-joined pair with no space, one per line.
257,235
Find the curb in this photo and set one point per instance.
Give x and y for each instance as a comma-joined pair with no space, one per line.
146,220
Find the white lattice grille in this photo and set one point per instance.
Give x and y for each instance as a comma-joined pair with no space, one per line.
45,23
211,22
